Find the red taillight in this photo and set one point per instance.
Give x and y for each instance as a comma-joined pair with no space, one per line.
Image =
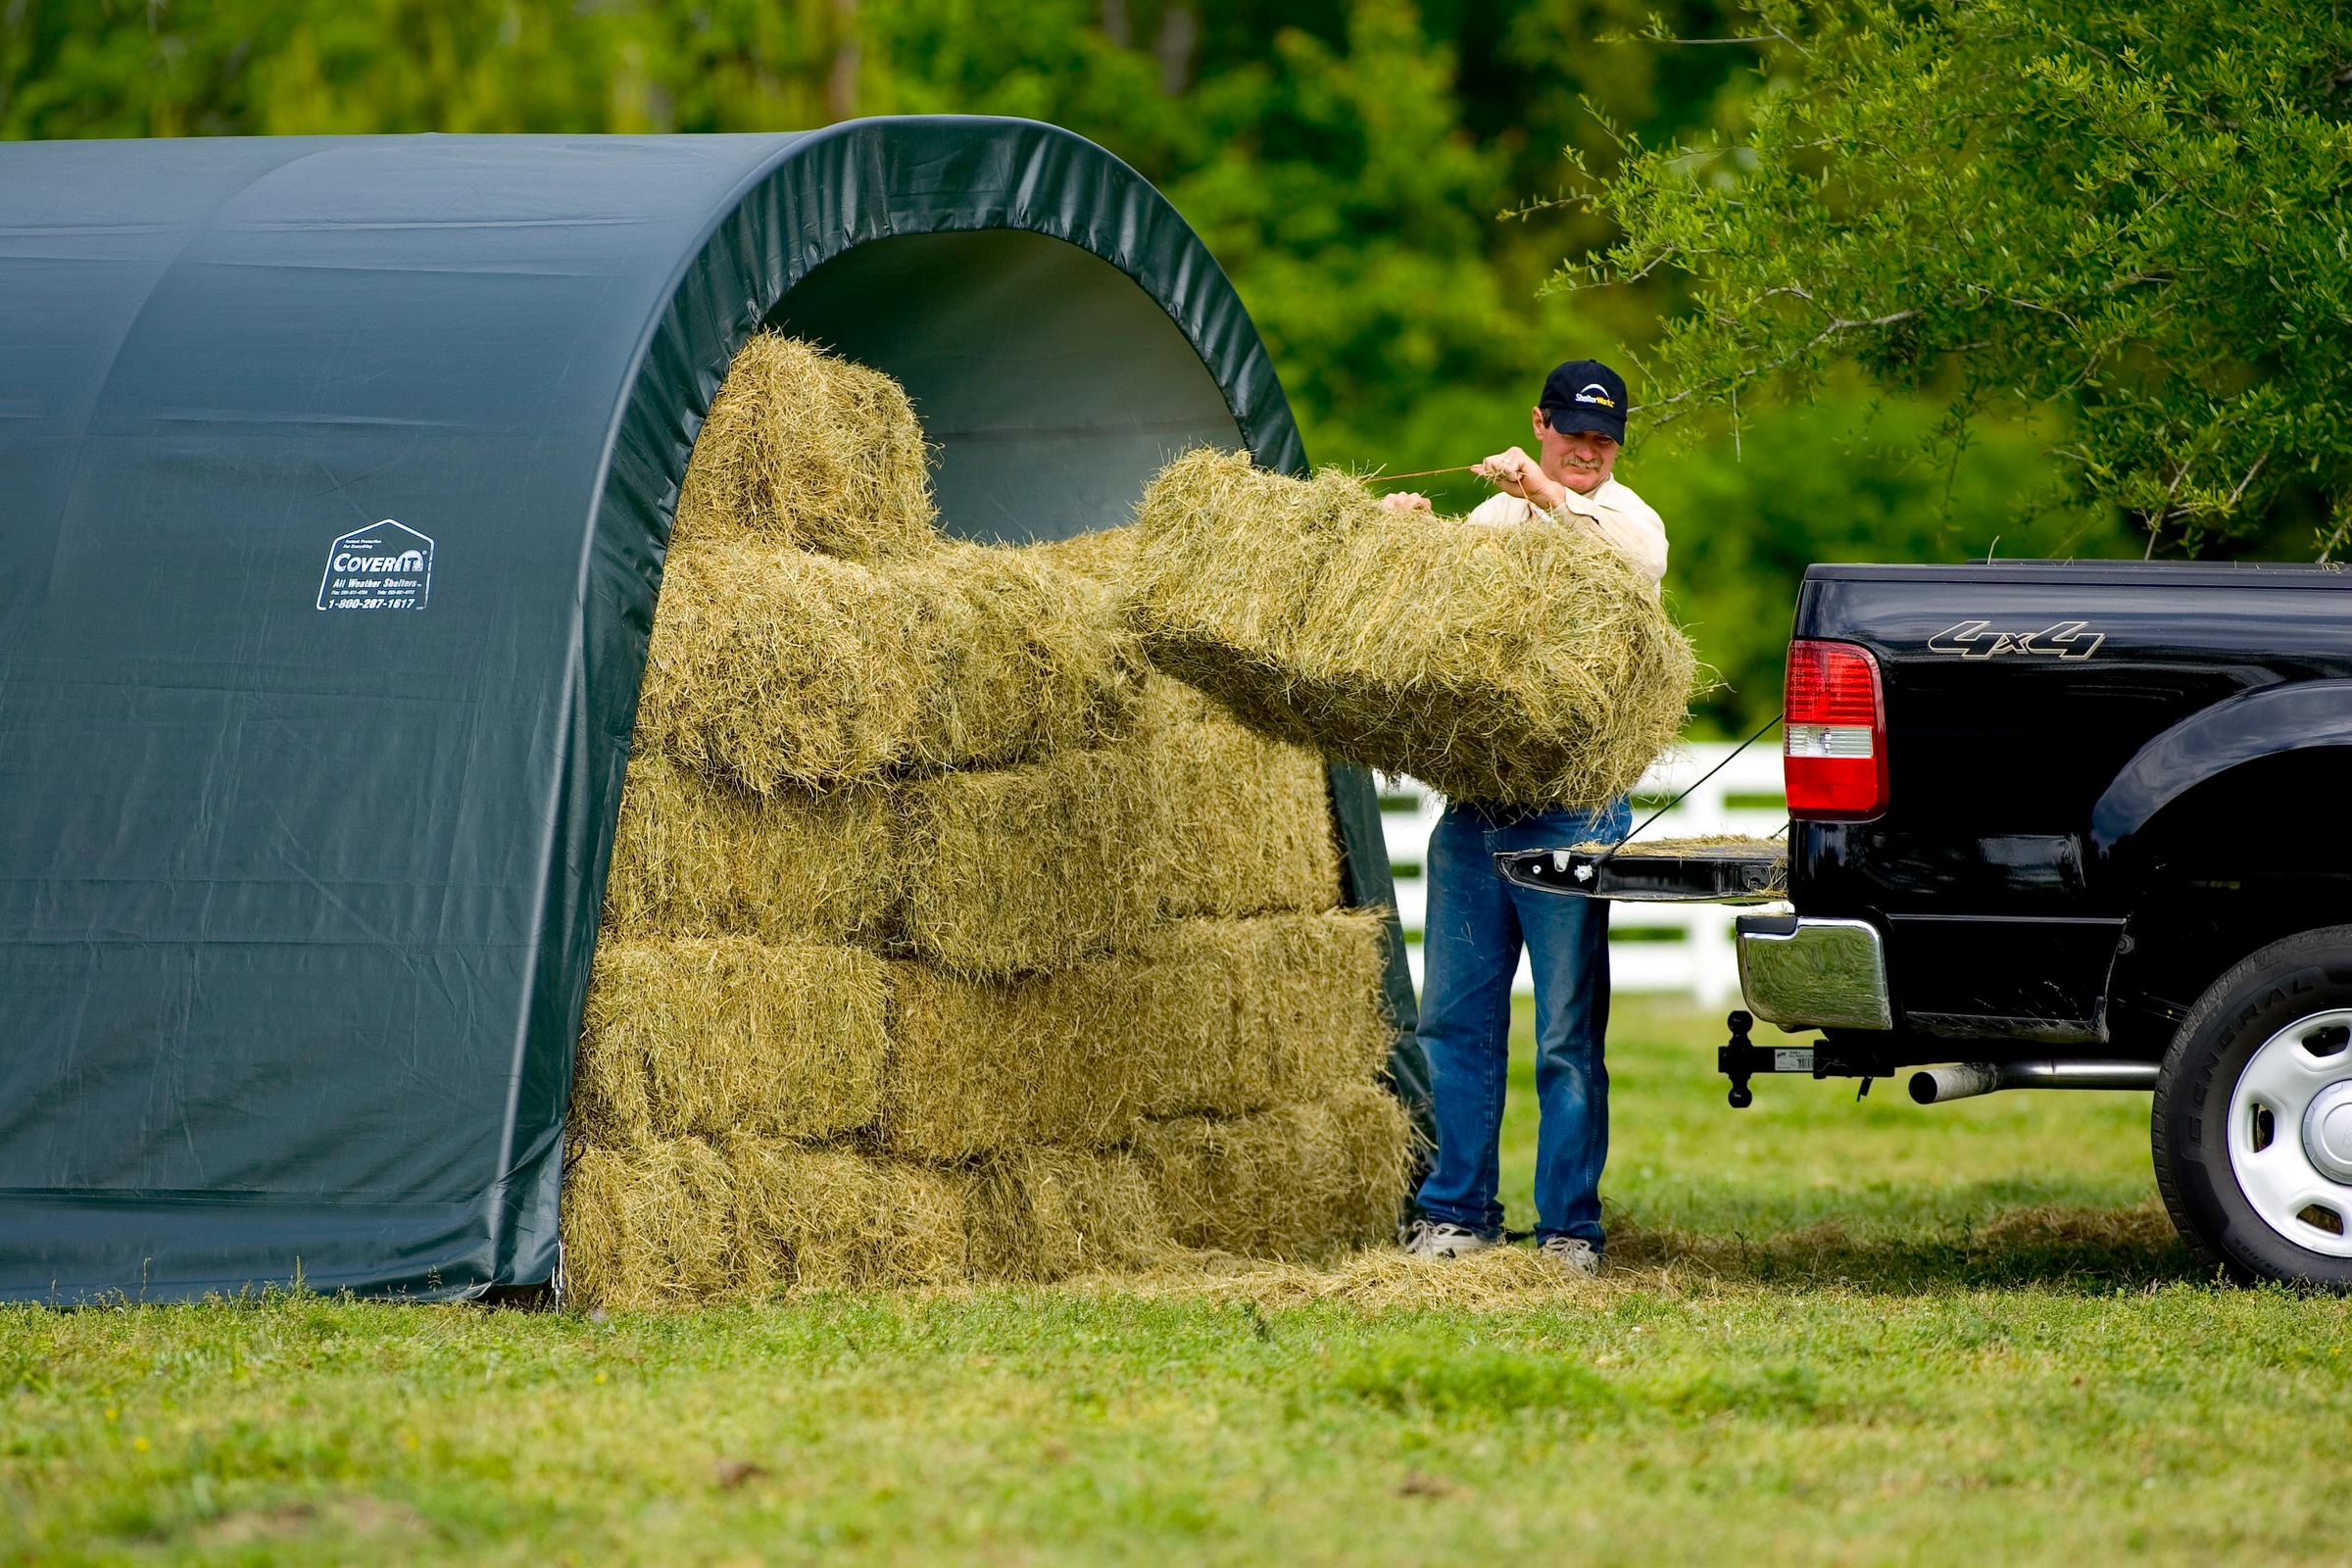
1834,757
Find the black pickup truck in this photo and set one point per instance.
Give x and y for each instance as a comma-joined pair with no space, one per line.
2068,826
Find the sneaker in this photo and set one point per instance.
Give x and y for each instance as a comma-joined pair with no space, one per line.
1436,1239
1573,1253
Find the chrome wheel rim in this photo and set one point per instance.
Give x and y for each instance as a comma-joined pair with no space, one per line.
2291,1133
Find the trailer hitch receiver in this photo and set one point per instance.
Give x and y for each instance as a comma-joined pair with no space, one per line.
1741,1058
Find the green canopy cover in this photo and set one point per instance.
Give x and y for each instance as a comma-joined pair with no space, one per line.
335,474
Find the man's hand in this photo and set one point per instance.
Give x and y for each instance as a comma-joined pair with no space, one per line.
1406,501
1516,473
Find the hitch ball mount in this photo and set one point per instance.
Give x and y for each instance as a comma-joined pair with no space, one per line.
1741,1059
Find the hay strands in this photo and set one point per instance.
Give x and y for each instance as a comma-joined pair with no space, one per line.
775,669
808,450
1525,664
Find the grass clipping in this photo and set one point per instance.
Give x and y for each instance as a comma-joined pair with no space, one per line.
1522,664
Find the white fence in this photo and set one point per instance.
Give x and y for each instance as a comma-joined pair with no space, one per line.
1681,948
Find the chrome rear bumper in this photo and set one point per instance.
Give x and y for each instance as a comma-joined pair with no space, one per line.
1810,974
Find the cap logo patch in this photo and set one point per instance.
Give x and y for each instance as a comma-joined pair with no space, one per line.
1595,392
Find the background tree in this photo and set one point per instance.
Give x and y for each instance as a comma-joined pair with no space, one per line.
2133,212
1348,160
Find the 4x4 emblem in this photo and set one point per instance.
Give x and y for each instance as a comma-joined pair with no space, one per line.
1976,639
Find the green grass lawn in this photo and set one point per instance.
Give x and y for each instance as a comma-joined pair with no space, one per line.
1839,1333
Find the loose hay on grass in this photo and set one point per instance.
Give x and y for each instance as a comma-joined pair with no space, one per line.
698,857
810,451
1204,1016
1298,1181
776,669
1382,1275
713,1035
1524,664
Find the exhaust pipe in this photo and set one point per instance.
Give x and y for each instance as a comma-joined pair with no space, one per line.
1932,1086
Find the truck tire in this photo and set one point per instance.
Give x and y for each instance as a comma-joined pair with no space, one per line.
2252,1124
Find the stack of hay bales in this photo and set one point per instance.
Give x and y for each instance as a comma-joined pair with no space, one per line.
944,939
1522,664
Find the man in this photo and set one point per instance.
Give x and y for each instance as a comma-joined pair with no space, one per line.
1477,922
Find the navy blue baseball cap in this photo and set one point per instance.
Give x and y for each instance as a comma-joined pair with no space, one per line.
1585,395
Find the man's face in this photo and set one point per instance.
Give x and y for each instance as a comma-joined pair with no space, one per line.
1580,460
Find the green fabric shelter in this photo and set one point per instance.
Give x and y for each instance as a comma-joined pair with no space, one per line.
334,480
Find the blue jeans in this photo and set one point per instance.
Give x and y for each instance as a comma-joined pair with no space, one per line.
1470,947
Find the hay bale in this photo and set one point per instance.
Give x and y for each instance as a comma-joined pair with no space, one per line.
1251,815
611,1107
978,1065
1202,1015
1318,999
652,1226
1227,1016
1019,659
1250,825
773,668
809,451
1104,555
1033,868
770,668
835,1216
1524,664
677,1221
1047,1214
1298,1181
715,1035
698,859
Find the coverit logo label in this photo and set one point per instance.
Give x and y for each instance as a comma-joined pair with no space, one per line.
389,566
1976,639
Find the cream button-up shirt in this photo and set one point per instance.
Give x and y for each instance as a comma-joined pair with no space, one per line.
1613,512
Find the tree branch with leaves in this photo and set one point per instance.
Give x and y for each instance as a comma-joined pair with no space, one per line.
2140,212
